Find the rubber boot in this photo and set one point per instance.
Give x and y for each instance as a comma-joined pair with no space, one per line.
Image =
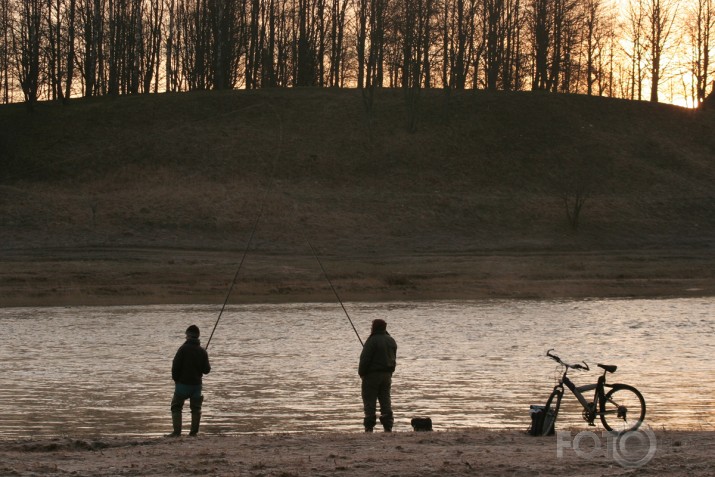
195,420
387,421
369,423
176,421
195,405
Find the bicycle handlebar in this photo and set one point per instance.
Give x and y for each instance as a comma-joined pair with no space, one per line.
583,366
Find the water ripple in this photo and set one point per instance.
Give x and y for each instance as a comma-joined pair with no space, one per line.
280,368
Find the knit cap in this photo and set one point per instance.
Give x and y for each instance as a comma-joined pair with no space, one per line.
193,331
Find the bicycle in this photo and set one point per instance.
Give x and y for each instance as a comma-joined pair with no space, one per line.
621,409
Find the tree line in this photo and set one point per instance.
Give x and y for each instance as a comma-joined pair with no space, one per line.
634,49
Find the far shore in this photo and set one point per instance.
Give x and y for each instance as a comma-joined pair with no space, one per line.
74,277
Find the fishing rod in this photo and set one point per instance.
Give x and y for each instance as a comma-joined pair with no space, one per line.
238,269
255,224
334,291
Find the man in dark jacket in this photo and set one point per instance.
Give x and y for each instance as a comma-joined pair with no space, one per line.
377,363
190,363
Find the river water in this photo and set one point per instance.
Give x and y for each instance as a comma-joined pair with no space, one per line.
105,371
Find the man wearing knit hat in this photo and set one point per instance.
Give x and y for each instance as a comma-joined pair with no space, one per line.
377,363
190,363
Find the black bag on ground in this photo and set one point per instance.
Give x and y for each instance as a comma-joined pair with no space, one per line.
537,421
421,423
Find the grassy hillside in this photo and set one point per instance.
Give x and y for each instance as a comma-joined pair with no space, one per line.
478,174
484,172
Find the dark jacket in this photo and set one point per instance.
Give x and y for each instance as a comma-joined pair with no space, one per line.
378,354
190,363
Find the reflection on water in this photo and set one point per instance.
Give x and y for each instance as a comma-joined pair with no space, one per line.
86,371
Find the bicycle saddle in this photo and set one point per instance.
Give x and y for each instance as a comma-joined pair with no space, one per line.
608,367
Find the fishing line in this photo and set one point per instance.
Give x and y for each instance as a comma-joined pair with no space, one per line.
255,224
334,291
240,264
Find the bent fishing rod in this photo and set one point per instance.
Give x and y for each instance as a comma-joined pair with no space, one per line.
334,291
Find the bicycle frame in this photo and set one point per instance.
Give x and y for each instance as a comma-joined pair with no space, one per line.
592,407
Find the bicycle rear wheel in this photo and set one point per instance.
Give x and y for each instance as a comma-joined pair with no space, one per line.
551,410
622,409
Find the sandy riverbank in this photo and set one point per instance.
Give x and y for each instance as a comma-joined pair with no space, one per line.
473,452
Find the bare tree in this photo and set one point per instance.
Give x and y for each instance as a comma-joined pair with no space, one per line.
90,55
597,31
170,57
512,42
116,41
459,27
285,33
577,175
306,74
375,60
54,26
224,25
370,39
541,28
700,26
311,43
607,64
659,17
636,47
361,16
494,32
415,31
195,44
268,54
338,11
501,30
566,26
5,47
70,62
151,48
27,41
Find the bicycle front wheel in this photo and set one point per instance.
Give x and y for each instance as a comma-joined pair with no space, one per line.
551,410
622,409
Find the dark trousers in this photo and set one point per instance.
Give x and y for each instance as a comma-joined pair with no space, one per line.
182,392
376,388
